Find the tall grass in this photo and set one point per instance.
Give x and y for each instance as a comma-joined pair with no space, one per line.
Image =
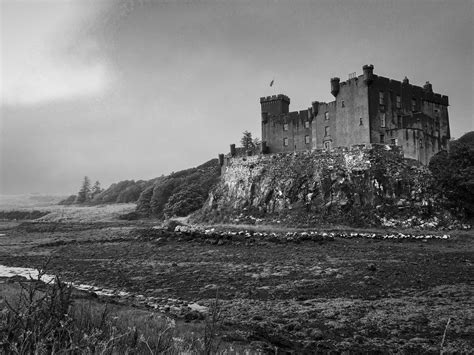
40,318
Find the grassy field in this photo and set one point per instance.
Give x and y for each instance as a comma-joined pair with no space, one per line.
302,296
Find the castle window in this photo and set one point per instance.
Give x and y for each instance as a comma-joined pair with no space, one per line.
361,121
285,126
382,120
413,104
393,141
342,103
327,145
306,124
382,138
306,139
326,131
285,142
381,98
326,115
399,101
399,121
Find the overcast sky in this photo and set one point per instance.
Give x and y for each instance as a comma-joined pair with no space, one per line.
134,89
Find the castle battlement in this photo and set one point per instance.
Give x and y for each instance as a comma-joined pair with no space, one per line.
275,98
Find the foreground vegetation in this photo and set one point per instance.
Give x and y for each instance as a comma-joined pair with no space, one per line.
50,318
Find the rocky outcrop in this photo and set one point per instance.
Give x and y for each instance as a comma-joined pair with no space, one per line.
319,183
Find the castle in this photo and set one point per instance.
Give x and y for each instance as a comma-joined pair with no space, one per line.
367,109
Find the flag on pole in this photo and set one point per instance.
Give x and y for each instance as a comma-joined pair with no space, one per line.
271,82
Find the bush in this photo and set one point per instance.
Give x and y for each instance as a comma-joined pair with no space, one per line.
45,319
453,173
183,203
179,193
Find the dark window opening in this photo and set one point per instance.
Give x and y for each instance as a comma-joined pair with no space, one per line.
326,131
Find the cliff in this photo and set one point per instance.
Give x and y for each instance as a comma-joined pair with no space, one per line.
345,184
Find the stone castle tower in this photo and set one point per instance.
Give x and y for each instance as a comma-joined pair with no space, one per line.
367,109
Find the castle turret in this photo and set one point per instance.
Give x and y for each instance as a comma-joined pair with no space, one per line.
368,73
428,87
335,86
405,81
274,105
315,106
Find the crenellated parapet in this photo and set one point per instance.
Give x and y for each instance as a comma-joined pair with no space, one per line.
274,98
275,104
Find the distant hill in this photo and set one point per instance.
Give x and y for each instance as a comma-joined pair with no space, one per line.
126,191
14,202
176,194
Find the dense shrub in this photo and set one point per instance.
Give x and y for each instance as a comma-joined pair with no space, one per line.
179,193
184,202
453,174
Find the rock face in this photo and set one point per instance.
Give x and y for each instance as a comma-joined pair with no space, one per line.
319,181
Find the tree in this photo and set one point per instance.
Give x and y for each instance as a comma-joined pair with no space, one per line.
96,189
453,172
84,194
256,142
246,141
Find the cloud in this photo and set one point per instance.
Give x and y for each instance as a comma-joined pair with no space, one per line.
49,82
34,71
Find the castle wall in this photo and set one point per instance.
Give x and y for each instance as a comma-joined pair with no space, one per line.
285,131
351,107
366,109
417,120
320,122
